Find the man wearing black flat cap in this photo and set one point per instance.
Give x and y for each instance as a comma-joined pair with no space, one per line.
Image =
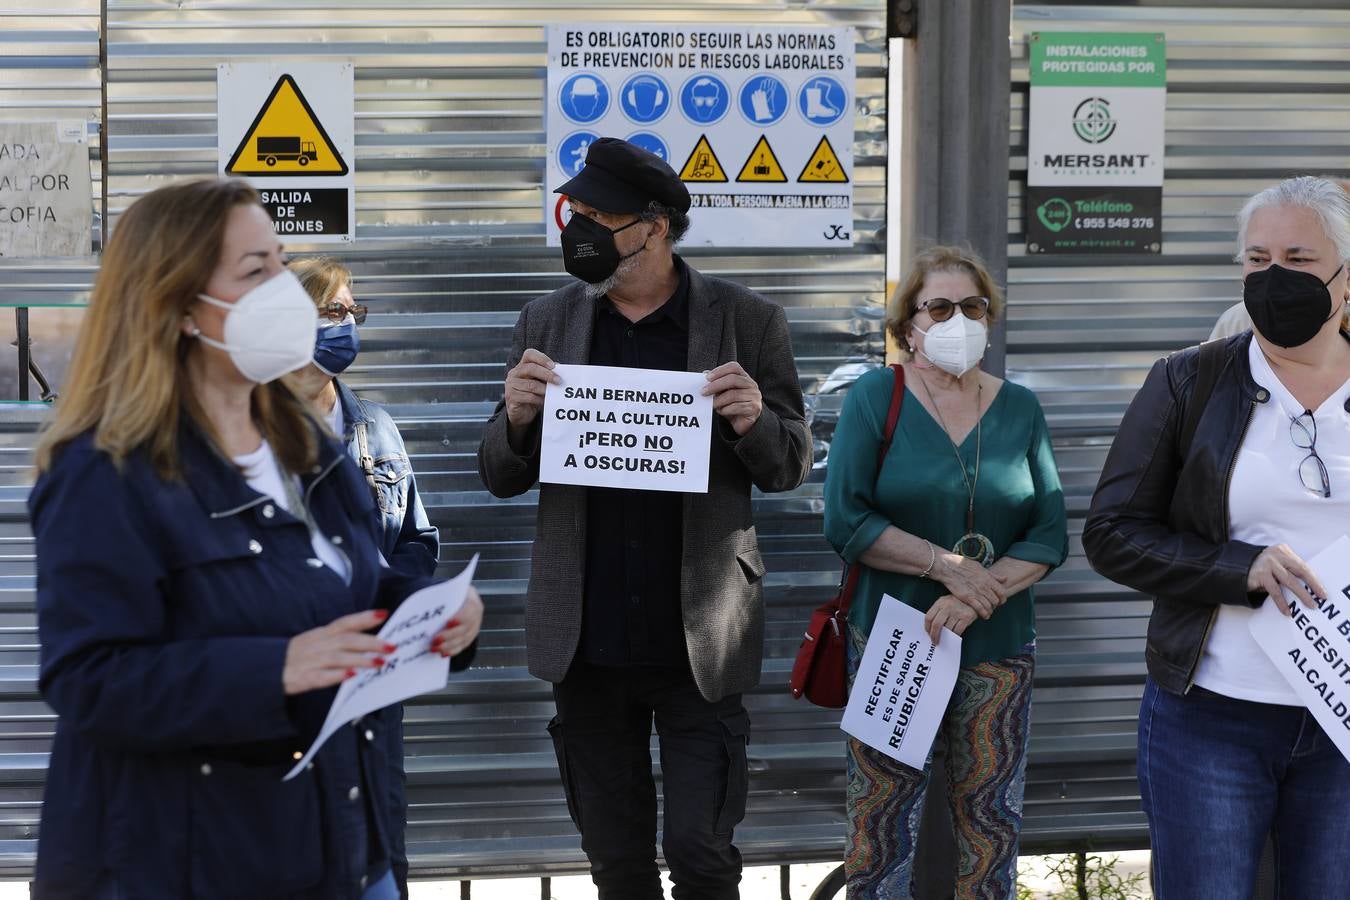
647,605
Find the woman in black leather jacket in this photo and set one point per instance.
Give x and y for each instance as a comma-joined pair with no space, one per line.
1219,522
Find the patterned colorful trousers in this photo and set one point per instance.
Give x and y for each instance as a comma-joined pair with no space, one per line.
985,733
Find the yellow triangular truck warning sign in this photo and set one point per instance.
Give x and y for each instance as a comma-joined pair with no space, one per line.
762,164
823,165
702,165
286,138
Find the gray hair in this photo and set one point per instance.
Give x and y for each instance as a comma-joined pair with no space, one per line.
1327,200
679,221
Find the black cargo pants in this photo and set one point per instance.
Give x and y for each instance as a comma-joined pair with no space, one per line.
602,736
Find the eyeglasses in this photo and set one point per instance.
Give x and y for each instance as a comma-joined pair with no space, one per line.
1311,471
941,309
336,312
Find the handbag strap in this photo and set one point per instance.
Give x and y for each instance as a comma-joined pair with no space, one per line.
887,436
1207,376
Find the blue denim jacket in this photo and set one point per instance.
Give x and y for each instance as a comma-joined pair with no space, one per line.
408,540
410,543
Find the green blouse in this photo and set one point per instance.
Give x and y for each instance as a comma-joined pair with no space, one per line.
1019,504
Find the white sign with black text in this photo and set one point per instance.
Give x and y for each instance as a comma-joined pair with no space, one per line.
756,120
903,685
1311,648
642,429
412,669
45,194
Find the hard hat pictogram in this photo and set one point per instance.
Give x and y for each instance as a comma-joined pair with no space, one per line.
286,138
702,166
762,164
823,165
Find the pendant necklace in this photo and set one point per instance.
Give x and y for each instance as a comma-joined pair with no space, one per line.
973,544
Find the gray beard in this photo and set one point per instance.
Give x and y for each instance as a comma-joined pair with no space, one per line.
596,290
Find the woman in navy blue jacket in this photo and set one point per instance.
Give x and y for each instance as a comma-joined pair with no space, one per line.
208,573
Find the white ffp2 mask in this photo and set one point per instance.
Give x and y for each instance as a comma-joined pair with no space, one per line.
956,345
270,330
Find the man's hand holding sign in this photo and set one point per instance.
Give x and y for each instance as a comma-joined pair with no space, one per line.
736,397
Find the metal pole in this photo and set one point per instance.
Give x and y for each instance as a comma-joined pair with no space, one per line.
25,353
956,134
955,190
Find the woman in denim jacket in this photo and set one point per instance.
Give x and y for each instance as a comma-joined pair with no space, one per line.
408,540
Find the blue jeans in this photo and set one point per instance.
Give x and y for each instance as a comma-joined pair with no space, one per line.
1217,775
383,888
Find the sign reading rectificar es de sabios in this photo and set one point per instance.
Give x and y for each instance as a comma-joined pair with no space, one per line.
288,129
46,204
1095,142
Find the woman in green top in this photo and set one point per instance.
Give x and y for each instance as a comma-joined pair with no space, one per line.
964,517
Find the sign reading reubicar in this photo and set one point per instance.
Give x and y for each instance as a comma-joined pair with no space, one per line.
1095,143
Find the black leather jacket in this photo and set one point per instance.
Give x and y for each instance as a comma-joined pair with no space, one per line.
1161,527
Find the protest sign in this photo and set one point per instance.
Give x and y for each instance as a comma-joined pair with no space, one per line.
903,684
410,670
1311,648
644,429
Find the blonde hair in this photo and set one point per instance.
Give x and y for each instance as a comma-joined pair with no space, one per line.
321,276
942,258
128,380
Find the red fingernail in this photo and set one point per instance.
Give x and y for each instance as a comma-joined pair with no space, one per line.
436,642
377,661
381,615
350,673
390,648
453,623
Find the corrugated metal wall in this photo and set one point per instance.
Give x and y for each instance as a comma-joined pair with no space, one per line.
1253,95
449,160
49,69
450,148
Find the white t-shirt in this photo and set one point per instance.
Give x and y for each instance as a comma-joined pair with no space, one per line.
334,419
1268,504
263,475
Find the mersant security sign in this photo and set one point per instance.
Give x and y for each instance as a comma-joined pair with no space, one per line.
1095,144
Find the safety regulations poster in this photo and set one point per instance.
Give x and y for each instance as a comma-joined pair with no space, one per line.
757,122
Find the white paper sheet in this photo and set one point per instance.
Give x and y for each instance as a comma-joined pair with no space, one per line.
903,685
410,670
644,429
1312,648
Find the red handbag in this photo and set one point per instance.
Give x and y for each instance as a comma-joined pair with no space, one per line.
820,672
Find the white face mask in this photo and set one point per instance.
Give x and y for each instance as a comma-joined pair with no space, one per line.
956,345
270,330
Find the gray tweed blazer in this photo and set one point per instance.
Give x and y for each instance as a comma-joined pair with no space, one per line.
721,570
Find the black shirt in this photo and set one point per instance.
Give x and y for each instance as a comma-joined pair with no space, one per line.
635,539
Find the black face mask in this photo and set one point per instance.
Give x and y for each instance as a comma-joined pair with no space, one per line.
1288,307
589,251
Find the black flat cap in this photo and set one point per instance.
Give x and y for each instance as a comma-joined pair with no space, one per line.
620,177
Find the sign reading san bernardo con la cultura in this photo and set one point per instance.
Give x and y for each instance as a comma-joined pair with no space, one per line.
757,122
1096,142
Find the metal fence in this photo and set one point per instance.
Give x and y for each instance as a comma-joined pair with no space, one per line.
449,167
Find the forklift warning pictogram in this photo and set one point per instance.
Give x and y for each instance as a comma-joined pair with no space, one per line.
702,165
286,138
